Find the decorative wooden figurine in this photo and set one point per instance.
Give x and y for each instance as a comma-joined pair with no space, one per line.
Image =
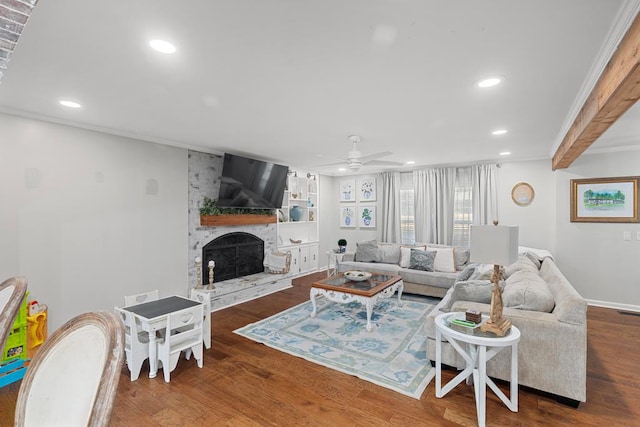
211,265
198,273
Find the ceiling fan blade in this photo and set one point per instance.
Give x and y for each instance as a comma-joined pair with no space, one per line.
382,163
375,156
331,164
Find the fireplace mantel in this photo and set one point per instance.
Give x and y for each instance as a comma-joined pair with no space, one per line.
244,219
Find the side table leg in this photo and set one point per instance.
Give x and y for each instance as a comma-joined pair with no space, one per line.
481,386
312,296
369,305
514,378
438,363
400,289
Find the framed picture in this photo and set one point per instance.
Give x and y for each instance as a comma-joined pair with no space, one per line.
367,216
605,199
348,216
348,190
368,190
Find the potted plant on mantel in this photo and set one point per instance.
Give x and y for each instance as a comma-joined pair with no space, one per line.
213,216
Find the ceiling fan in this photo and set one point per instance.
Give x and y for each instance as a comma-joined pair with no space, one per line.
355,160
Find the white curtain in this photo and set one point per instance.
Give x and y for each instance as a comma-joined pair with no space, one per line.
434,191
390,229
484,194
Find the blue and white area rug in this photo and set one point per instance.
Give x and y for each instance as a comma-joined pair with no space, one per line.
392,355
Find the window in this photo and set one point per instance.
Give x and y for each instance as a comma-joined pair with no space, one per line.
407,215
462,211
462,208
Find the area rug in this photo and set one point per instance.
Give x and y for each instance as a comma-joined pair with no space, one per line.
392,355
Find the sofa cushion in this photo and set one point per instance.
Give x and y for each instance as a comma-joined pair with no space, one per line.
373,267
526,290
471,290
445,260
405,254
422,260
389,253
465,274
367,251
436,279
522,263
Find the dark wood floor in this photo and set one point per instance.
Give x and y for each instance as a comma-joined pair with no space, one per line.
244,383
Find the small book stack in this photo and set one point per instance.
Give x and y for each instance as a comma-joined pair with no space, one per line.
473,316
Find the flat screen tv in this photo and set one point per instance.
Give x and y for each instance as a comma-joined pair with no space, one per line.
250,183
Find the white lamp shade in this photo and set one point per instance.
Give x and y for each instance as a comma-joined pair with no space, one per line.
494,244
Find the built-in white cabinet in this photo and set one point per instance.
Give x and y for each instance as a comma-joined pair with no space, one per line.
298,222
304,258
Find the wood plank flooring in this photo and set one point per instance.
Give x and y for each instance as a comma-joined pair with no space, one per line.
244,383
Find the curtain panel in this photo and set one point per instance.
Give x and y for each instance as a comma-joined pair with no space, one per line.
391,214
434,191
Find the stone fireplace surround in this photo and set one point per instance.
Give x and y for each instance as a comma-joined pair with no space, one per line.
205,171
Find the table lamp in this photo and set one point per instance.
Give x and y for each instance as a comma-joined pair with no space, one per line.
497,245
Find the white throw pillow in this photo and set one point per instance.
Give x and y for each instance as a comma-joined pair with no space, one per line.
445,260
405,254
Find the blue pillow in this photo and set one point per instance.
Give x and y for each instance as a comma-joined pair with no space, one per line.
422,260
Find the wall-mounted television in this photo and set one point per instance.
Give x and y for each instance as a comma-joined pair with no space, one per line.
251,183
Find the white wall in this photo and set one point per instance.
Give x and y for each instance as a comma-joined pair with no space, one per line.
536,222
89,217
599,263
355,234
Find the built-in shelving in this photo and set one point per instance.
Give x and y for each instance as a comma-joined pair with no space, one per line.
300,236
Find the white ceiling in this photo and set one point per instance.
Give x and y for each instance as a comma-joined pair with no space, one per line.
289,81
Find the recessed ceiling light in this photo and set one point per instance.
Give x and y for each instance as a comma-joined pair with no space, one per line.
70,104
162,46
499,132
489,82
411,162
505,153
342,169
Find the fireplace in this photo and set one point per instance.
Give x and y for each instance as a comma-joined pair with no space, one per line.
235,254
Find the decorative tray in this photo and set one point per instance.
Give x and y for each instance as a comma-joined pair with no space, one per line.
357,276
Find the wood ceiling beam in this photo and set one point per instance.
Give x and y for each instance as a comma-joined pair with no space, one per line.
617,89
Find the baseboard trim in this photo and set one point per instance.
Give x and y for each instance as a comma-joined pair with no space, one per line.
616,306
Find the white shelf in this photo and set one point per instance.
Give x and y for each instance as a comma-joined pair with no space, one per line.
305,253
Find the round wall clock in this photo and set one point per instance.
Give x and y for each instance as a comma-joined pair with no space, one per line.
522,194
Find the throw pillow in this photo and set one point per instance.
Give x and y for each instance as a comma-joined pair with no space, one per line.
405,254
461,256
422,260
526,290
389,253
367,251
522,263
482,272
465,274
445,260
471,290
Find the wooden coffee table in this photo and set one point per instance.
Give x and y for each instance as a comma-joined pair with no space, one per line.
368,292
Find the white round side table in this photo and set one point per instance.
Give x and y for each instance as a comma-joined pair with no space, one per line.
336,257
476,348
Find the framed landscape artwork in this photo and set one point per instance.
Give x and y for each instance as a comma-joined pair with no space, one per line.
605,199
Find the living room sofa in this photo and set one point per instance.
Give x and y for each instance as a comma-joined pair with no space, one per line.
551,317
394,258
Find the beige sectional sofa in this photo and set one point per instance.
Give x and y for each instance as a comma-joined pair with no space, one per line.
394,258
551,316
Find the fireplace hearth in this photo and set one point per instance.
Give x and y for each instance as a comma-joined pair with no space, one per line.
236,254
